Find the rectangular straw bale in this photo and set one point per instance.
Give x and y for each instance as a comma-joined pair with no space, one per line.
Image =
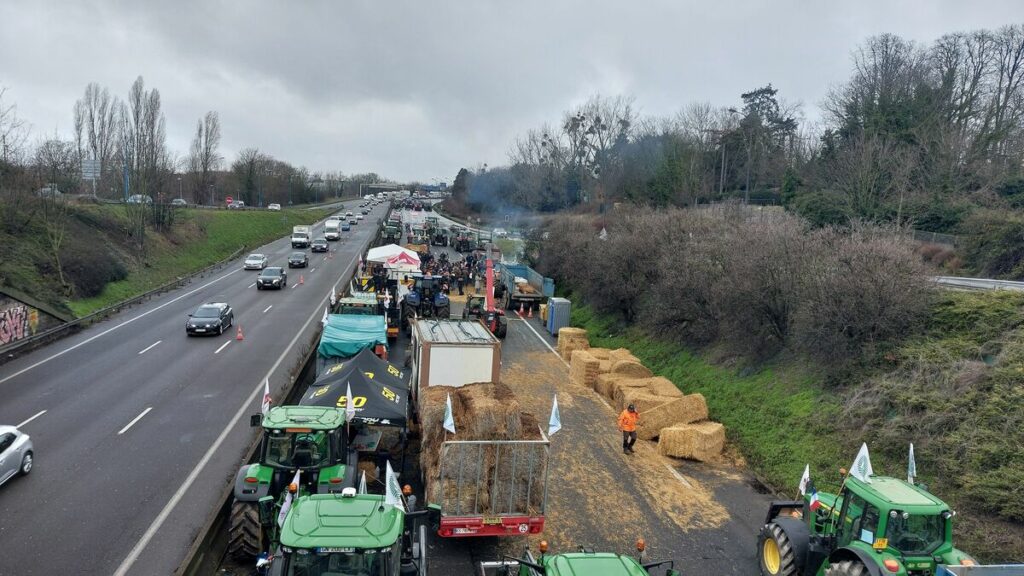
641,399
570,339
605,366
604,384
664,387
631,369
623,385
583,368
702,441
688,409
622,354
601,353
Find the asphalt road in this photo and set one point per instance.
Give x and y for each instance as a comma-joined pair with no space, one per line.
138,428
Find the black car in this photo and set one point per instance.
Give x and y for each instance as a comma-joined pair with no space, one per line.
298,260
272,277
366,212
319,245
210,318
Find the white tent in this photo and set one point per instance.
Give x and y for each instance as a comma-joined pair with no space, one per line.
381,254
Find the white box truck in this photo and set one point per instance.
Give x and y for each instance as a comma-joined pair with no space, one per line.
332,229
301,236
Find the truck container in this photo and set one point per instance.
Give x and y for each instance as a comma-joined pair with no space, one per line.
301,236
523,286
453,353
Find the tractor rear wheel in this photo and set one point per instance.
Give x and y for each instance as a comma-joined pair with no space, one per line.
775,553
245,536
847,568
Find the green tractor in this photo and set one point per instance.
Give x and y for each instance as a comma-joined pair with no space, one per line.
349,533
310,439
585,561
392,234
882,527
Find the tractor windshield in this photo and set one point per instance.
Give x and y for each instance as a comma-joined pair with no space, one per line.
343,562
915,534
286,449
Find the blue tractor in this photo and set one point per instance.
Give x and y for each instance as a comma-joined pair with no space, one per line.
426,299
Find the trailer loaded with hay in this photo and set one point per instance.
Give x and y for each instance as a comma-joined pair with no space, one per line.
489,478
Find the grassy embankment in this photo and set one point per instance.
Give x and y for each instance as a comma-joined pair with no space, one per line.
955,391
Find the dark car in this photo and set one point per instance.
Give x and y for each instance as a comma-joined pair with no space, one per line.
345,227
210,318
319,245
366,212
273,277
298,260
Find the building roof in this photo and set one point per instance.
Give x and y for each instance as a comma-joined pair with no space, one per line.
454,332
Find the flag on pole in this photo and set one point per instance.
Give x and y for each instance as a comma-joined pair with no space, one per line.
815,502
350,407
449,419
362,483
324,319
861,468
805,479
334,295
288,500
266,396
393,493
555,422
911,466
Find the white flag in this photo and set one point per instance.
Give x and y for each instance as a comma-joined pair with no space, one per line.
449,419
805,479
861,468
393,493
555,422
362,483
266,397
350,406
288,500
911,466
323,320
334,293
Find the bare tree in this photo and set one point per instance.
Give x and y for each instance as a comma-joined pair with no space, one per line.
143,148
205,157
96,128
13,133
55,163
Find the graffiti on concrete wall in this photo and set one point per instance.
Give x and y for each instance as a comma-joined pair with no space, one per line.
17,321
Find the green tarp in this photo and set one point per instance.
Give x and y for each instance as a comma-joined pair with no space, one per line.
346,334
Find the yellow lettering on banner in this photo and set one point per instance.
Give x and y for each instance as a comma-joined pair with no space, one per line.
320,392
394,371
357,401
387,393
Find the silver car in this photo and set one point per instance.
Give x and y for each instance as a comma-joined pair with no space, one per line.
15,453
255,262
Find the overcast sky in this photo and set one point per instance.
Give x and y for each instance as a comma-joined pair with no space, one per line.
416,90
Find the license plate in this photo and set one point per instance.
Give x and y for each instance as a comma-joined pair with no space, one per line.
491,520
200,329
463,531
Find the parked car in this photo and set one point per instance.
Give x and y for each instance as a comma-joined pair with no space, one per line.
16,453
210,318
235,204
139,199
255,262
319,245
179,202
273,277
298,260
349,213
273,206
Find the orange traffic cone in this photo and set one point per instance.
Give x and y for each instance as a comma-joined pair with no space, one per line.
529,312
520,308
302,279
238,334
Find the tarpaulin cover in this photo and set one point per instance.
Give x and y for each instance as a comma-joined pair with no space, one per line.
379,392
382,253
346,335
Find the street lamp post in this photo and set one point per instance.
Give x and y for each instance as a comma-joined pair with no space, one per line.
179,187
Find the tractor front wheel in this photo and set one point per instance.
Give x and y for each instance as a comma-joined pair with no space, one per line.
245,536
775,552
847,568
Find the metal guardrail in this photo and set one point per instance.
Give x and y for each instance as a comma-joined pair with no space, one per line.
11,351
960,283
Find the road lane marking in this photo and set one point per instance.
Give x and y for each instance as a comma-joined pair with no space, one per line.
134,420
150,347
251,285
246,406
109,330
314,268
41,412
222,346
267,308
294,286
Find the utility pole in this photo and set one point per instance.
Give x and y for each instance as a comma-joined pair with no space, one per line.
179,187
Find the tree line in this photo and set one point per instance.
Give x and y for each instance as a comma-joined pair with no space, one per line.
920,134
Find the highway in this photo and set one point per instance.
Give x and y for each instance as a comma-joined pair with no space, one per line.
138,429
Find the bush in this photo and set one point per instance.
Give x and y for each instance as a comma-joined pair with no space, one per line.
993,244
89,268
822,208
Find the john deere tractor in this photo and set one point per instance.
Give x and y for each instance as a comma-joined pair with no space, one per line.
392,234
584,561
357,534
882,527
309,439
476,309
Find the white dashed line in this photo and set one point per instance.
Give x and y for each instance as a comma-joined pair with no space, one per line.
41,412
222,346
267,309
251,285
150,347
136,419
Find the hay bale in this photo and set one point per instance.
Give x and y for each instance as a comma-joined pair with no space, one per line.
583,370
686,410
631,369
605,366
641,399
620,386
370,468
570,339
601,353
656,386
664,387
620,354
702,441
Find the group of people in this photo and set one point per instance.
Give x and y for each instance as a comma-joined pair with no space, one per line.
454,274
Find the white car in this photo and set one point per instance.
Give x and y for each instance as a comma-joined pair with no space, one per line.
15,453
349,213
359,216
273,206
255,262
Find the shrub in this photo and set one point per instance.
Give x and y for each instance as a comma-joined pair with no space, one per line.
89,268
994,244
822,208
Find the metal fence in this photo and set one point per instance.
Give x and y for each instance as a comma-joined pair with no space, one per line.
493,477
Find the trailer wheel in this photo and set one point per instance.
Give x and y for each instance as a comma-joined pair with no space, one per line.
501,330
245,536
775,553
847,568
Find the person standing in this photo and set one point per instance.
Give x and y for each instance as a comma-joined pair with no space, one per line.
460,279
627,423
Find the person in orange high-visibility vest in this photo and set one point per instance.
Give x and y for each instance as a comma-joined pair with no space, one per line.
627,423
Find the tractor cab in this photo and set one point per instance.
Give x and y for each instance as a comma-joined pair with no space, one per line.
355,534
425,299
359,303
883,526
476,309
584,561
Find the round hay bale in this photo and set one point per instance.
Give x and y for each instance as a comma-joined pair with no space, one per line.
631,369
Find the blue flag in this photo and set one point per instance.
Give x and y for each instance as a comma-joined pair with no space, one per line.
555,423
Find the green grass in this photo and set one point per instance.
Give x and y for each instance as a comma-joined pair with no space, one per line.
199,239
